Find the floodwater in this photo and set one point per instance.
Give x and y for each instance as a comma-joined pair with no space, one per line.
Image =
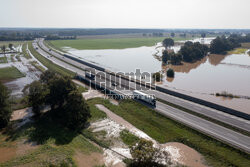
213,74
125,60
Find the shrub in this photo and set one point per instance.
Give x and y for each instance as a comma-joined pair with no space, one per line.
170,73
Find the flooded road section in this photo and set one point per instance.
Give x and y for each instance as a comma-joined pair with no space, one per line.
213,74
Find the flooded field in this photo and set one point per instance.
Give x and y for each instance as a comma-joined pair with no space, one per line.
24,66
213,74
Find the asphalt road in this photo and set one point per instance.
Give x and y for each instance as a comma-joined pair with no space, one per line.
223,134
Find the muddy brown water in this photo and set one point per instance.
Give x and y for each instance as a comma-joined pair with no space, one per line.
210,75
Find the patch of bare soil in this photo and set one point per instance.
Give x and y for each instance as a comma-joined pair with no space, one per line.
7,153
90,94
25,146
115,102
88,160
188,156
19,114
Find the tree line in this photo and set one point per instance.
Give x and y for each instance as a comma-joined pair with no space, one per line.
191,52
221,45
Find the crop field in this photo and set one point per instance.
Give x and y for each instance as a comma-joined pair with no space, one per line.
109,43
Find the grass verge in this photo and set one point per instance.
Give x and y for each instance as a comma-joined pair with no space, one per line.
37,66
9,73
165,130
49,64
26,55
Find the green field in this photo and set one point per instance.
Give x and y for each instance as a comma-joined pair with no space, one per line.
10,73
165,130
109,43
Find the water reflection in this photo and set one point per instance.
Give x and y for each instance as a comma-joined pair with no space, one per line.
186,67
216,59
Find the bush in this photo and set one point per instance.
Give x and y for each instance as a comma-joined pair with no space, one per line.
170,73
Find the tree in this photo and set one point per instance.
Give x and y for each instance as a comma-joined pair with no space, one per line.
203,35
5,110
47,76
168,42
144,154
76,111
11,46
36,97
157,76
191,52
59,89
165,56
170,73
4,48
172,35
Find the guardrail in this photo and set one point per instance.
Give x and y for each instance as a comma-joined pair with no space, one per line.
85,63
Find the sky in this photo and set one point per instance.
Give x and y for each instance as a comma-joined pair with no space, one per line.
204,14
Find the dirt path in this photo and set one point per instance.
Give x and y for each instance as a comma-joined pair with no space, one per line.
88,160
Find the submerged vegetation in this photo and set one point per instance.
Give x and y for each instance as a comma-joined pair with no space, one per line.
170,73
225,94
190,52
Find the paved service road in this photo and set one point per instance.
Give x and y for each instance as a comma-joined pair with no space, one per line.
223,134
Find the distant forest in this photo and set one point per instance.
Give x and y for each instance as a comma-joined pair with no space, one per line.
17,34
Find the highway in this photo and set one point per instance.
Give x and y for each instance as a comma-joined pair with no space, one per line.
223,134
228,119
